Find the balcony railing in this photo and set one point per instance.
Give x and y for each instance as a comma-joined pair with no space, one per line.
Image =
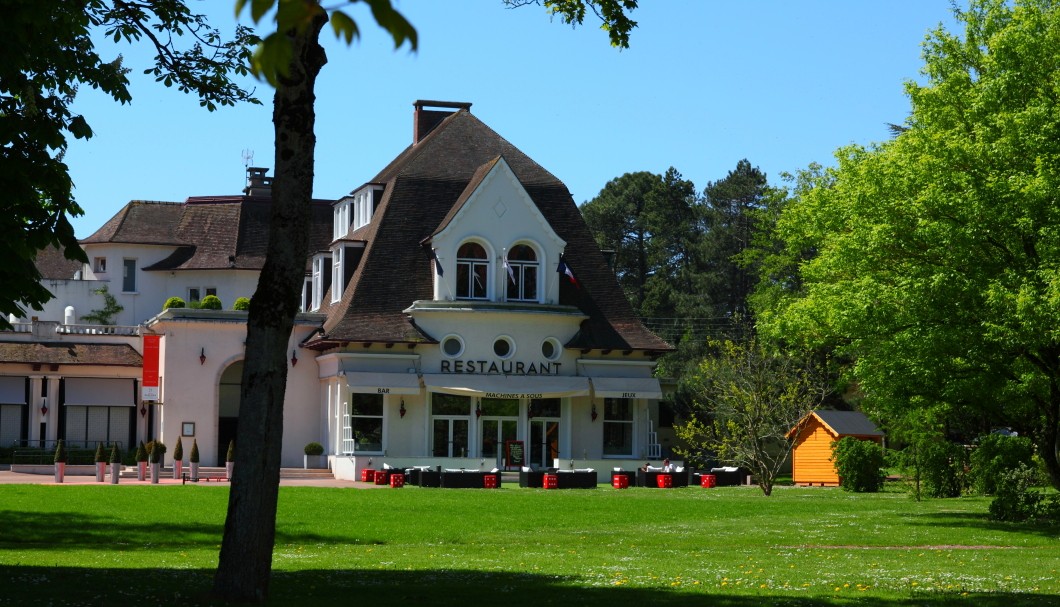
97,330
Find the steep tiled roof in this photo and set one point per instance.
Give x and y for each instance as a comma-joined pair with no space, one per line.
208,232
60,353
141,222
423,185
51,263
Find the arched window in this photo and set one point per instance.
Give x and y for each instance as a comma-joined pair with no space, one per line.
472,269
522,273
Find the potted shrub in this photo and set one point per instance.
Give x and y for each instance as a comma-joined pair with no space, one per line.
230,459
242,304
157,451
60,461
178,459
211,302
194,461
141,462
101,462
115,464
314,455
173,302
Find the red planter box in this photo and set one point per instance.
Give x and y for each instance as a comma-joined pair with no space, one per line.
665,481
708,480
397,480
620,481
489,481
367,475
550,481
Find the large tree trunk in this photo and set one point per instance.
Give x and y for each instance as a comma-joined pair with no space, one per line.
245,560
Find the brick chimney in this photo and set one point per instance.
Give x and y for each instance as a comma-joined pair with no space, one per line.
257,183
424,120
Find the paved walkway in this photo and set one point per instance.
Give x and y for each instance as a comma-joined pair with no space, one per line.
7,477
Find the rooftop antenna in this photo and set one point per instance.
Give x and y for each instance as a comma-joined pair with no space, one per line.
248,158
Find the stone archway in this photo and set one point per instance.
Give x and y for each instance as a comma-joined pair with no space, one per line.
228,408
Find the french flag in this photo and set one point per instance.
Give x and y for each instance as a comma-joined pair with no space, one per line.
563,268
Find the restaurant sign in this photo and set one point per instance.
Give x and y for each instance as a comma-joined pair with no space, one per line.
500,367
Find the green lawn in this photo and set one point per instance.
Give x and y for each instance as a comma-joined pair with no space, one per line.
125,545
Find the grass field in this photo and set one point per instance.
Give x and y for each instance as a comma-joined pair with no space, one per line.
125,545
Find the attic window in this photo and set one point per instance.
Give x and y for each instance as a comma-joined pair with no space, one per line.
472,271
100,264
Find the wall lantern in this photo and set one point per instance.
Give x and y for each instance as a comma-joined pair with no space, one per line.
43,407
478,410
202,357
143,411
294,357
402,409
593,414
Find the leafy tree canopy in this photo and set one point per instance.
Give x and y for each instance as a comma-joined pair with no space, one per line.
936,255
47,52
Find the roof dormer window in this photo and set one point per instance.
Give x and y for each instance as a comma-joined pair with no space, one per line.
472,271
523,270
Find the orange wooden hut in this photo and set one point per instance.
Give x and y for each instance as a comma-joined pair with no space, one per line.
811,457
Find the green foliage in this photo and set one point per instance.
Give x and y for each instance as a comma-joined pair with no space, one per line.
613,15
156,450
60,452
859,464
1015,498
314,448
178,451
194,457
37,117
174,302
271,59
141,452
212,302
101,455
944,465
230,456
745,400
115,455
111,308
995,455
934,255
242,304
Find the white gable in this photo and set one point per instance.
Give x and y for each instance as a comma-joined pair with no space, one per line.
498,214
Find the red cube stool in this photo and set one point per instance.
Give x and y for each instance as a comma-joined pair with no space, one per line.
550,481
665,481
367,475
708,480
397,480
620,481
380,477
489,481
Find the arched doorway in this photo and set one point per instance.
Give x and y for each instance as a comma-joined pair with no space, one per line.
228,408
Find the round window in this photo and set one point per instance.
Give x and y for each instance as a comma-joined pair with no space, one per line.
504,347
551,349
452,346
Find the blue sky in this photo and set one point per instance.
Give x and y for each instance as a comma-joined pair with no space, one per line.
705,83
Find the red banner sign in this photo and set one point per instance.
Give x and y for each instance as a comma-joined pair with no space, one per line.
149,386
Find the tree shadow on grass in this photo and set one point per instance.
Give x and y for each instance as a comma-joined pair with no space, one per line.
67,531
434,588
970,520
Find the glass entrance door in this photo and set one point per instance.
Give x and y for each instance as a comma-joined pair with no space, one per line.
499,422
450,437
544,442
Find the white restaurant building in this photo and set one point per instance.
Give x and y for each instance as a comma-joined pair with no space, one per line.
453,303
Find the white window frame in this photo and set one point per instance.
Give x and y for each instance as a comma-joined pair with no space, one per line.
519,268
472,263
